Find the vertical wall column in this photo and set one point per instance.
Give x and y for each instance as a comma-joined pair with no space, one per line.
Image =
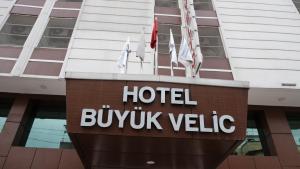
190,33
18,157
33,38
279,133
12,124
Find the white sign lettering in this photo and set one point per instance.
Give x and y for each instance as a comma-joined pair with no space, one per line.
139,119
178,95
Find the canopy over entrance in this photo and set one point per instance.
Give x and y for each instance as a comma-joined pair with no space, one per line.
158,124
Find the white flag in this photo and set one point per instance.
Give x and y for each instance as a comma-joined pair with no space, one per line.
122,60
172,50
185,56
140,51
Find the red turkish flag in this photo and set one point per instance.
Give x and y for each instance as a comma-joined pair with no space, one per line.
154,34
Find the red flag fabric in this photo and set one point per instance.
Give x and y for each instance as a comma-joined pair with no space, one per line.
154,34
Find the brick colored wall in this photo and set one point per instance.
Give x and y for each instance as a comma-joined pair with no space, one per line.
12,157
276,129
284,149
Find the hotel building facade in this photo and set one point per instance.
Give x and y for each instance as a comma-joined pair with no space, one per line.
64,104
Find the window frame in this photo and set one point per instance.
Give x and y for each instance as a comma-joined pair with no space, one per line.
45,35
296,117
218,35
7,104
32,114
7,23
257,118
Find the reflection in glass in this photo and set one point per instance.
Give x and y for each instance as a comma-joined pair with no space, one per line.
69,0
252,144
17,19
58,33
54,42
5,105
164,37
164,48
10,39
16,29
203,5
165,29
166,3
214,51
294,123
210,41
48,129
208,31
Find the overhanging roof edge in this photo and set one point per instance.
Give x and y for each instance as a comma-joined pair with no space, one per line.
153,78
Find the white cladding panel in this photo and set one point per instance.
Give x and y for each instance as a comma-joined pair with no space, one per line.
5,6
262,40
101,31
101,66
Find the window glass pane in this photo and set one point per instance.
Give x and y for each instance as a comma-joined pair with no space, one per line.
16,29
164,48
252,144
203,5
215,51
69,0
166,3
5,105
48,129
294,122
21,19
164,37
208,31
61,23
58,33
8,39
54,42
165,29
210,42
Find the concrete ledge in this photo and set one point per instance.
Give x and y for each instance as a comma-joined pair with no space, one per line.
152,78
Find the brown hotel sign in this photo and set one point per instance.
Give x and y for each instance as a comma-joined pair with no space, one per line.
125,123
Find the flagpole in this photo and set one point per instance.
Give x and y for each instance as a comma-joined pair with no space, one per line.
172,72
126,62
141,65
156,57
154,44
128,52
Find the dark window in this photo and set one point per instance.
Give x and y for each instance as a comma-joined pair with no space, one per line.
46,127
5,105
252,144
210,42
58,33
203,5
69,0
166,3
164,37
16,29
294,122
297,4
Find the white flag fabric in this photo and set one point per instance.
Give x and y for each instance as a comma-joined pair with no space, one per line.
172,50
185,56
122,60
140,51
